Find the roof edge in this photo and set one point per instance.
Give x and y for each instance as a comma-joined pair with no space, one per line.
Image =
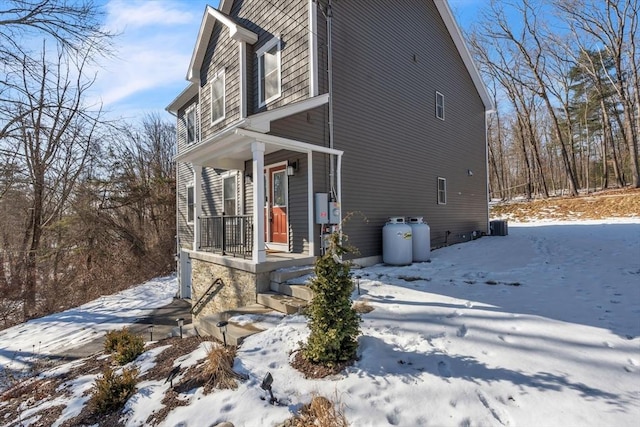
189,92
236,32
465,54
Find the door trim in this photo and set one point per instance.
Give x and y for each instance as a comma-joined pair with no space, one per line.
281,247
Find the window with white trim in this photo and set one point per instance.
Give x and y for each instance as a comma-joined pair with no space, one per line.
269,73
191,203
230,195
439,105
442,191
217,97
190,124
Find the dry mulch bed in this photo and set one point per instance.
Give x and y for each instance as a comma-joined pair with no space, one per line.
35,390
600,205
312,370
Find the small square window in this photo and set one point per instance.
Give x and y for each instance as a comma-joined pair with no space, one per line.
439,105
442,191
217,97
269,85
190,124
191,204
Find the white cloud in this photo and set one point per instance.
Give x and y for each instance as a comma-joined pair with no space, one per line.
126,14
153,51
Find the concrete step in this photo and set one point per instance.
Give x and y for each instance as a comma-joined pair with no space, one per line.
285,274
293,289
283,303
236,333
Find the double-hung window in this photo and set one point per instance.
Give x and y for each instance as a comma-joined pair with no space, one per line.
229,195
439,105
191,204
190,124
217,97
269,72
442,191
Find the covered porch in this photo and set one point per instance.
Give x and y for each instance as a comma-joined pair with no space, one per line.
242,237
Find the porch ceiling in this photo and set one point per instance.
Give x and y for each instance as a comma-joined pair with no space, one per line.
231,149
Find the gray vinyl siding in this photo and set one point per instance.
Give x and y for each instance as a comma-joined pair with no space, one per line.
181,124
311,127
184,177
222,53
297,197
288,19
321,31
384,115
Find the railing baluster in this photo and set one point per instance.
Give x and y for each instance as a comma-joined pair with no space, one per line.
227,234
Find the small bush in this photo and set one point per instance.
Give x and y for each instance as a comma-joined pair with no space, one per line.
219,367
111,391
126,345
320,412
362,307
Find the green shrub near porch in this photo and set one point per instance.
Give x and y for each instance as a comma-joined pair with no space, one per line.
334,324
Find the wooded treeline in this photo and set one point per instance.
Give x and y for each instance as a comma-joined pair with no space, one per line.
565,77
87,206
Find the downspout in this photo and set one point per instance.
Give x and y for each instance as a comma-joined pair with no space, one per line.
178,251
330,82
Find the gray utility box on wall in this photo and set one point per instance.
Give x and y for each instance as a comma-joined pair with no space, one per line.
326,212
499,227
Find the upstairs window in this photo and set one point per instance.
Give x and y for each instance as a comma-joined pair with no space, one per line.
190,124
217,97
191,204
229,195
439,105
442,191
269,72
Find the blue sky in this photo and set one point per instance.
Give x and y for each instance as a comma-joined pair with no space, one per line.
154,49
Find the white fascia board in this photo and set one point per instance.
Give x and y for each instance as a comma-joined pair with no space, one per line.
192,153
458,40
236,32
189,92
313,48
261,122
289,144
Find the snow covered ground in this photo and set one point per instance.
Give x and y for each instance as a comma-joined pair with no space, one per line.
538,328
54,334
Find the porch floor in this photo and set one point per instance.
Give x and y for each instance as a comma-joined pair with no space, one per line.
274,261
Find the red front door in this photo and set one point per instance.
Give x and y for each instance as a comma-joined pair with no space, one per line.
278,224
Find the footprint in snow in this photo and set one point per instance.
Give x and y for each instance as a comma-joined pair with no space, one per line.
462,331
499,414
392,418
443,369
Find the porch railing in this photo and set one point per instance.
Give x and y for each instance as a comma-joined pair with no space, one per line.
227,234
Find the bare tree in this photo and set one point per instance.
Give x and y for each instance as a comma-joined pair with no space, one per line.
529,43
74,25
53,133
613,26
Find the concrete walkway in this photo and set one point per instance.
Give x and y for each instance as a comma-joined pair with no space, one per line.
163,319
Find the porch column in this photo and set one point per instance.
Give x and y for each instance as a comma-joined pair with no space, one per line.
339,185
259,254
197,204
310,201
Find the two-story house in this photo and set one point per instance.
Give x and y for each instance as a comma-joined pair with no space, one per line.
298,112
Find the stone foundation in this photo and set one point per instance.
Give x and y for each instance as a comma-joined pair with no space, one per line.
238,289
